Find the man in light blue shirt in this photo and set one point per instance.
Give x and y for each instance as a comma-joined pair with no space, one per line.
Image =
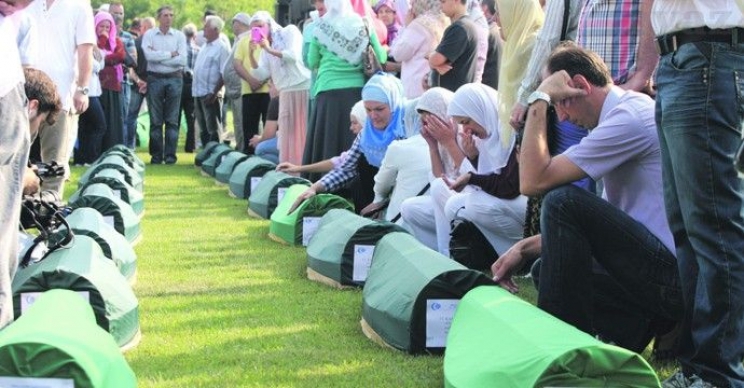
165,50
208,82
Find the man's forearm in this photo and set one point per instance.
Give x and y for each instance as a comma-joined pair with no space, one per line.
534,155
85,64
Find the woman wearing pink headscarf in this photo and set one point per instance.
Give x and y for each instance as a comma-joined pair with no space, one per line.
111,76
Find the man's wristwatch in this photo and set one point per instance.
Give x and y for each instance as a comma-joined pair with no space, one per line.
82,90
538,95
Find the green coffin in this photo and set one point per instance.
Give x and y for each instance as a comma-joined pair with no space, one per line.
500,340
57,337
209,167
129,157
247,174
411,293
83,268
341,250
116,162
202,155
299,226
225,169
120,188
115,211
269,192
89,222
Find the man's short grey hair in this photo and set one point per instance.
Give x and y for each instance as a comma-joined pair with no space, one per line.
189,30
214,21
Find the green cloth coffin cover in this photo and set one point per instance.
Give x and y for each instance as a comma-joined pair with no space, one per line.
115,211
288,228
117,163
404,281
500,340
89,222
265,197
342,247
83,268
210,165
245,171
224,170
202,155
57,337
120,188
129,157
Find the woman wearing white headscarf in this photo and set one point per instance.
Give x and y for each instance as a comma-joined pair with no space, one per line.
424,29
445,157
340,38
488,194
281,60
385,105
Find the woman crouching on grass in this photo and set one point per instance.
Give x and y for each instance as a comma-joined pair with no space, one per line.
385,106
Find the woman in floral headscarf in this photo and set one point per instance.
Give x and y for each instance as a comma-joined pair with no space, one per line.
340,39
386,12
424,29
111,76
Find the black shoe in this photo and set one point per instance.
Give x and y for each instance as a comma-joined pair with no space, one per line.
170,160
156,161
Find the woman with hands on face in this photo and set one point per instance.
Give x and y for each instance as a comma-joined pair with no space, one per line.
385,106
487,190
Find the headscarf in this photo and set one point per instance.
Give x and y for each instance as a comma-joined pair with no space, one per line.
277,41
392,30
387,89
478,102
359,112
436,101
363,9
521,20
429,14
340,31
104,16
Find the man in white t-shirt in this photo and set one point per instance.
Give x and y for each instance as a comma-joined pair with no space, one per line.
66,57
616,250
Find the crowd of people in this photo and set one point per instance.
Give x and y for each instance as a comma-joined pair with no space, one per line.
590,141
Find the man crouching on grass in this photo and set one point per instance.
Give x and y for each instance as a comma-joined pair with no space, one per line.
608,264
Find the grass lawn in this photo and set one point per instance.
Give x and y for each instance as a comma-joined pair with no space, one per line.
221,305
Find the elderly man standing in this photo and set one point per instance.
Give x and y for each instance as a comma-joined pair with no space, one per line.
69,37
165,50
233,86
207,85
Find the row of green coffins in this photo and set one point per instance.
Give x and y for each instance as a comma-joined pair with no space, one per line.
76,336
419,301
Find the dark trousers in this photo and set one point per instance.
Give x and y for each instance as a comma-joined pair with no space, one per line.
592,252
91,128
187,108
255,106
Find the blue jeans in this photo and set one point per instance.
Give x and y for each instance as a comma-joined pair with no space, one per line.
164,102
125,96
267,150
588,243
699,113
135,103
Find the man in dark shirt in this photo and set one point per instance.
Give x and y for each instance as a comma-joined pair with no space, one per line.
495,43
453,63
138,75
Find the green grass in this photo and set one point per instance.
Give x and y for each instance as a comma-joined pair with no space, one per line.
221,305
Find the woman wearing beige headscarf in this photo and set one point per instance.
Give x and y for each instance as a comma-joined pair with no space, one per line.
521,20
425,24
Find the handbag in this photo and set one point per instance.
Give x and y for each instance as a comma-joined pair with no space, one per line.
370,63
468,246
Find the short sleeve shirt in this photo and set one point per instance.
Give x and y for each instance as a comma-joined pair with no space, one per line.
460,46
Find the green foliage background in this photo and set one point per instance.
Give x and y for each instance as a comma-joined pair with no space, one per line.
191,11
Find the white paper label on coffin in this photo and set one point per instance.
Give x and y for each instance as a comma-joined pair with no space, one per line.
36,382
309,226
280,194
439,314
29,298
362,261
255,180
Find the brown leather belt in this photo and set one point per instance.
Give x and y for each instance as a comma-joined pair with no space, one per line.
668,43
